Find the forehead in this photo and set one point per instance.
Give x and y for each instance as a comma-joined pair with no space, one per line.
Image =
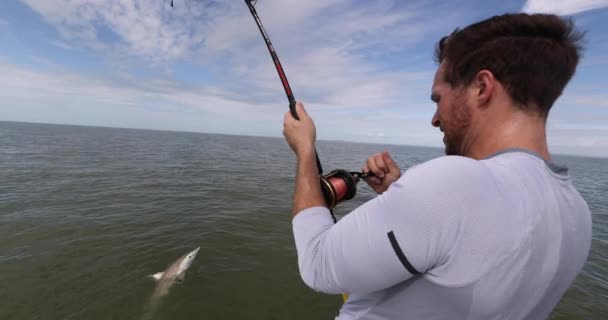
439,79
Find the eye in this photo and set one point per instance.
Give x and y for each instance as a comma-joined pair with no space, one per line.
435,98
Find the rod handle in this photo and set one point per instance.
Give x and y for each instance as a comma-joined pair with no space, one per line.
292,110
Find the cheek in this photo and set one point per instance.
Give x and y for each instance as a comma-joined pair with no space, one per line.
461,116
443,112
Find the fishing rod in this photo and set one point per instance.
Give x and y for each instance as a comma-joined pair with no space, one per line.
277,64
338,185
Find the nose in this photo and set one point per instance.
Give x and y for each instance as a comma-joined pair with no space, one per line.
435,121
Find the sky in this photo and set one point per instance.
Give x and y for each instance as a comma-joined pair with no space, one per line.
363,69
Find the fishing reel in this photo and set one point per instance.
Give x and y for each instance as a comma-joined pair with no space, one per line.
340,185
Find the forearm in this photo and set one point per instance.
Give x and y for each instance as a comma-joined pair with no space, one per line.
308,192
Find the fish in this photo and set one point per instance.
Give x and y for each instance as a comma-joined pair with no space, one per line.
175,273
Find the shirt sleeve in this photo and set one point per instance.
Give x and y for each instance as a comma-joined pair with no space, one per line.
407,230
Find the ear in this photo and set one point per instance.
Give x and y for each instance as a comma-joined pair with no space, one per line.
484,85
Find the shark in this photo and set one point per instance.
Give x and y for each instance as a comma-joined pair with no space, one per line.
175,273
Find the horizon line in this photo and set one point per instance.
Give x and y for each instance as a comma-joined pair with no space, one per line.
265,136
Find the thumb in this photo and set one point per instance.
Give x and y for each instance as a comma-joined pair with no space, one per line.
389,161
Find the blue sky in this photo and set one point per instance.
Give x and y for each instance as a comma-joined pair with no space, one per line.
363,68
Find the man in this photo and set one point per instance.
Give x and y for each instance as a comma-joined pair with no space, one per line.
493,230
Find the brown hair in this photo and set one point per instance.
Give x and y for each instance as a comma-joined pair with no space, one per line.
533,56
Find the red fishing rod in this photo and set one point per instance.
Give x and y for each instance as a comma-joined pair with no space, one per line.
275,59
277,64
338,185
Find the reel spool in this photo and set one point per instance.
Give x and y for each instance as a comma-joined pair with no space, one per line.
339,185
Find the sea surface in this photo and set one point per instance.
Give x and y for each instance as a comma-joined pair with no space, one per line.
87,213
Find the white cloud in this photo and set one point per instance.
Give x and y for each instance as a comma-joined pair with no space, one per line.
323,54
599,100
573,139
62,45
148,29
563,7
60,91
60,96
321,43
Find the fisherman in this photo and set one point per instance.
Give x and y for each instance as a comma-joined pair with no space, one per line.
492,230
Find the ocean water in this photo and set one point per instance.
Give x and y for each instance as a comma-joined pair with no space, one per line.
87,213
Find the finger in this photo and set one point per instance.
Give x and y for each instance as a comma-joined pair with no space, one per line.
364,170
390,163
367,171
300,109
380,163
288,117
373,181
374,168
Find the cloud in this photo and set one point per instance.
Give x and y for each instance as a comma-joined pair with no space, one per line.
326,55
151,30
61,44
563,7
60,96
598,100
323,44
45,62
578,139
89,94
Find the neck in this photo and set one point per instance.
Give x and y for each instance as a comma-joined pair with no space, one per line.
513,129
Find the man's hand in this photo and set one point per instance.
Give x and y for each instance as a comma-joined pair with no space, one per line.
300,135
385,170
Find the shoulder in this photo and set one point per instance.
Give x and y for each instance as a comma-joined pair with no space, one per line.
448,190
448,173
445,188
447,164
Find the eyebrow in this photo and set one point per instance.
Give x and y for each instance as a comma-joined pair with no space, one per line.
435,97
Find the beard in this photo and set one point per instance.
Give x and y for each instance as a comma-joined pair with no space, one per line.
455,126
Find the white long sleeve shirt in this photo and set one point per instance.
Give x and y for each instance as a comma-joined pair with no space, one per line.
453,238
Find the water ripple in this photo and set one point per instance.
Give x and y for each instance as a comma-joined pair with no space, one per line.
87,213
